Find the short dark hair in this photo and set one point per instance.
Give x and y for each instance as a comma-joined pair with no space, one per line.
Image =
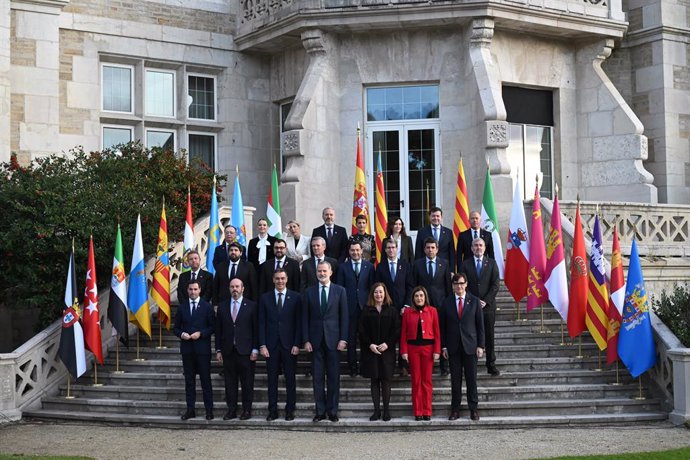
435,209
279,240
362,217
457,276
280,270
235,244
430,240
194,282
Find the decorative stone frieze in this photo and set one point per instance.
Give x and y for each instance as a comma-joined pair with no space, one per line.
497,134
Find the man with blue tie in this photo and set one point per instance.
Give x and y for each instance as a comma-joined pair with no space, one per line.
442,235
325,330
280,325
356,275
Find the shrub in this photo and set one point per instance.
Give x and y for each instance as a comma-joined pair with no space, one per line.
674,310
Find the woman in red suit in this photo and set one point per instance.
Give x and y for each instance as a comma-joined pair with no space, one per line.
420,346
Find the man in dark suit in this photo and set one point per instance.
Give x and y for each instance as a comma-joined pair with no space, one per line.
442,235
237,342
324,331
280,333
204,278
356,276
222,252
194,326
291,267
433,273
334,235
462,342
482,282
234,268
308,276
260,248
465,239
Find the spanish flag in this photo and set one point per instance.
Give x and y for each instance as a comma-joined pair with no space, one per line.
360,204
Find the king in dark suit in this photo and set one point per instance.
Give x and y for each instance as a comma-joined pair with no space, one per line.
334,235
466,238
442,235
194,325
195,272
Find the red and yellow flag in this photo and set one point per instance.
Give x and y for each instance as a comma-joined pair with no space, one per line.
381,211
579,277
598,297
160,289
461,220
360,204
616,300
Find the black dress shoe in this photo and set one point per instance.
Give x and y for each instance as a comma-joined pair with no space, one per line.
333,417
474,414
246,415
289,416
417,418
272,416
229,415
493,371
187,415
426,418
386,416
319,417
375,416
454,415
209,415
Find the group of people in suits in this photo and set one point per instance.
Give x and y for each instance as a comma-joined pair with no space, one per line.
437,302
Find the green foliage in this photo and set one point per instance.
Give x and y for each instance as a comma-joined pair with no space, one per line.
58,199
674,310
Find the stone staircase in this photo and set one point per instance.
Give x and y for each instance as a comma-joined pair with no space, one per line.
542,383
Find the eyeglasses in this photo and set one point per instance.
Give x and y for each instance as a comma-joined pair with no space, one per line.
460,282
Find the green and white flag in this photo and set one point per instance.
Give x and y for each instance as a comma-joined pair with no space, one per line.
490,222
117,301
275,224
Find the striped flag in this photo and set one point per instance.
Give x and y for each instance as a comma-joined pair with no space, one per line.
556,279
92,316
461,219
536,292
616,300
188,244
381,211
360,204
71,351
214,231
598,297
517,249
160,288
490,222
275,223
579,277
238,212
117,300
137,297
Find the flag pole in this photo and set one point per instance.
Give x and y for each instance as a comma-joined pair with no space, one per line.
69,396
117,356
640,396
562,334
138,358
542,330
579,347
617,382
598,368
95,375
517,307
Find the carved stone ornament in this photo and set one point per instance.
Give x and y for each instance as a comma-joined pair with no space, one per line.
291,145
497,134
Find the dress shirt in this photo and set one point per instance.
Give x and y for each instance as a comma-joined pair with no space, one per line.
262,244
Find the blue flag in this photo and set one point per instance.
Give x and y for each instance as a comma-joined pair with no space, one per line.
214,232
137,291
238,213
636,341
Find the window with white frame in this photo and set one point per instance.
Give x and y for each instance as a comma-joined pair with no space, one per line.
116,135
117,88
160,93
203,147
202,93
164,139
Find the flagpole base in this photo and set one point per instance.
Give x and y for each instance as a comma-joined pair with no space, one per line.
639,398
161,347
70,397
138,360
616,384
579,357
96,384
117,372
597,369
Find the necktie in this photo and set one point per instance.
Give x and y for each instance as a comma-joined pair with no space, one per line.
393,271
475,235
324,300
479,267
193,306
318,261
193,276
357,268
435,233
233,272
280,301
459,307
234,310
431,269
330,233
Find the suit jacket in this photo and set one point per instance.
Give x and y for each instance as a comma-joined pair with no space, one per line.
205,280
268,268
201,320
406,249
243,333
280,327
332,325
486,286
220,255
253,251
300,251
400,290
221,282
308,276
438,286
431,328
469,328
465,245
446,244
337,247
357,287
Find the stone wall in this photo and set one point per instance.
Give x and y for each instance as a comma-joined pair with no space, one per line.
5,97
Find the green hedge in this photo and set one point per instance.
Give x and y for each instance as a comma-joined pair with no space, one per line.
674,310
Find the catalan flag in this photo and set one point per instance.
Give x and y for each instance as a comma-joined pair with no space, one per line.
598,297
461,219
616,300
381,211
214,230
160,288
360,204
137,297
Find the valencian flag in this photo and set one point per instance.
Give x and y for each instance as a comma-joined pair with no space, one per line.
188,244
91,319
214,231
275,223
598,296
579,279
381,223
160,288
536,291
137,297
490,222
238,212
71,351
636,342
517,249
117,300
556,279
461,219
360,204
616,300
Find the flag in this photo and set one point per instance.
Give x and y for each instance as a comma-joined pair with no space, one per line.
160,288
92,319
536,291
214,232
188,244
381,211
71,351
275,223
616,300
517,249
117,300
490,222
579,279
636,341
461,219
137,297
238,212
598,297
359,201
556,279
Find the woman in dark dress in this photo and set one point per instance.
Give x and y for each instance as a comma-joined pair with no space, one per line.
379,329
366,241
396,231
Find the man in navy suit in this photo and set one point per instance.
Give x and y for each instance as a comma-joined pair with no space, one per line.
194,326
280,325
235,267
308,276
222,252
335,236
462,342
237,342
466,238
442,235
356,276
195,272
324,331
291,267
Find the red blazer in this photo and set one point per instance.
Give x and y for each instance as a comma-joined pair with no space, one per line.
430,327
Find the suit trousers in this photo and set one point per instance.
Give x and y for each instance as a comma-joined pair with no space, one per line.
193,364
240,368
489,320
421,358
463,362
277,357
325,369
352,340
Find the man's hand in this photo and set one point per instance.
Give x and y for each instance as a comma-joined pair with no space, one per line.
307,347
184,336
219,357
294,351
482,303
445,353
264,351
342,345
383,347
480,352
196,335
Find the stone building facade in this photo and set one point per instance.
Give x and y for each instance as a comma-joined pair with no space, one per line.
589,95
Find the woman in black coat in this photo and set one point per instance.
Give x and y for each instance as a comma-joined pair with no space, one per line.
379,329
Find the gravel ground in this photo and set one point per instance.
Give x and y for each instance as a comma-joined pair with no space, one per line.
107,442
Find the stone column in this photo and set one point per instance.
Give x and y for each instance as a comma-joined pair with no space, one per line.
4,81
8,402
681,385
